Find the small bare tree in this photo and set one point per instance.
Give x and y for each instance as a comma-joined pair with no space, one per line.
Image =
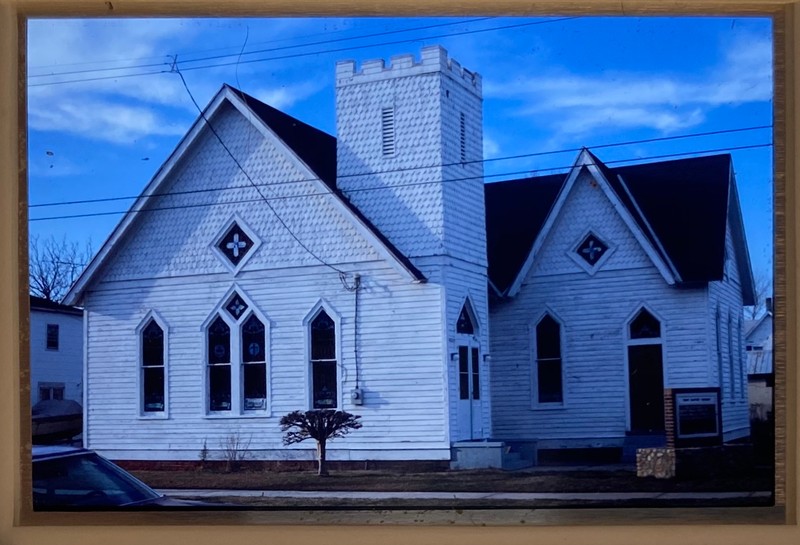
320,425
235,449
53,266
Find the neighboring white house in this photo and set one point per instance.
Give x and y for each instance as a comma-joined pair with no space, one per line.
760,376
270,267
56,357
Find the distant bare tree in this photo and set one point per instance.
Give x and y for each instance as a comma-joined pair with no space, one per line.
762,290
53,265
320,425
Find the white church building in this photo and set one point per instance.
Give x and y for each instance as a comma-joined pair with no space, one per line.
270,267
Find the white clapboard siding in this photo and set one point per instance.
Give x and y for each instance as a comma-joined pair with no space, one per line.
594,310
400,359
61,367
727,297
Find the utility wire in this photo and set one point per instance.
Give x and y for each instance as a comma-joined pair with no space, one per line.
408,169
249,179
255,52
307,54
409,184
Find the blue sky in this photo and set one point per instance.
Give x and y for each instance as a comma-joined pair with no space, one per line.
104,110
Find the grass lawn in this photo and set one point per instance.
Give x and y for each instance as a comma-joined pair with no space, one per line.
455,481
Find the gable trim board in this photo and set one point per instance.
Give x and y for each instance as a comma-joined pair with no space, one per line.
687,260
333,196
586,160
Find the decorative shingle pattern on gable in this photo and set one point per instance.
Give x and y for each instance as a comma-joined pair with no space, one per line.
685,202
587,209
177,240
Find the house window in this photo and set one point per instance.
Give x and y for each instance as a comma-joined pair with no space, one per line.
387,131
549,387
219,365
51,390
718,330
464,324
323,361
731,370
152,339
52,336
645,326
254,364
463,138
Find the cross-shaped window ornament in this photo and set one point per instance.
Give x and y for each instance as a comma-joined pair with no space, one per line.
591,249
236,306
235,244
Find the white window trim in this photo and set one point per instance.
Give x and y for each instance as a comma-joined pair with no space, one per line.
476,326
534,366
591,270
162,323
235,218
237,386
341,375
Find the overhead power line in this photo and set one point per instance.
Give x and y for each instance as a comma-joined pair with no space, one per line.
408,184
255,52
168,67
408,169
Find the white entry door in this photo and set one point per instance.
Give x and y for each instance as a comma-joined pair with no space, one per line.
470,421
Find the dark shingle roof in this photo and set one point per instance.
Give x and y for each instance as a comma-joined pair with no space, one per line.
316,148
515,213
683,205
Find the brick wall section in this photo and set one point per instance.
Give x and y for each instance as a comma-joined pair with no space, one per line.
669,418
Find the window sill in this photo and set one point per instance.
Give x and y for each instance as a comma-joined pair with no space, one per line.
548,406
237,416
154,416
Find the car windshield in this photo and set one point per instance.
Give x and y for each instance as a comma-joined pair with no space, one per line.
84,480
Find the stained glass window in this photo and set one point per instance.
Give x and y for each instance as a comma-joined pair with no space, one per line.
236,306
254,366
219,368
323,362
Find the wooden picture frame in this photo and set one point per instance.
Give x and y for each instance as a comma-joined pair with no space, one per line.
20,525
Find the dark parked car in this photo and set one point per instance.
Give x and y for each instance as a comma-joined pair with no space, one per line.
70,478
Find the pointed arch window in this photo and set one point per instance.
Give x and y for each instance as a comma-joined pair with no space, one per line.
645,326
219,365
464,324
548,373
152,362
254,364
324,385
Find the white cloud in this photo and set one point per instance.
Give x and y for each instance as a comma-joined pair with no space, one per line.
579,104
286,96
101,120
491,148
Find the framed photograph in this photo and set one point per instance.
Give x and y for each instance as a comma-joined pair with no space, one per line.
361,274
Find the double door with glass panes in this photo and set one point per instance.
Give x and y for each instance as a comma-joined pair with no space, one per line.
470,421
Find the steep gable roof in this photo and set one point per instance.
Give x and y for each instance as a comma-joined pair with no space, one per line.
681,207
314,148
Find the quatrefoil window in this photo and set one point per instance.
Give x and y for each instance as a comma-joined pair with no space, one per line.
235,244
591,249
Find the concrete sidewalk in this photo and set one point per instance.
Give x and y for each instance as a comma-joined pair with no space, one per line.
529,496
